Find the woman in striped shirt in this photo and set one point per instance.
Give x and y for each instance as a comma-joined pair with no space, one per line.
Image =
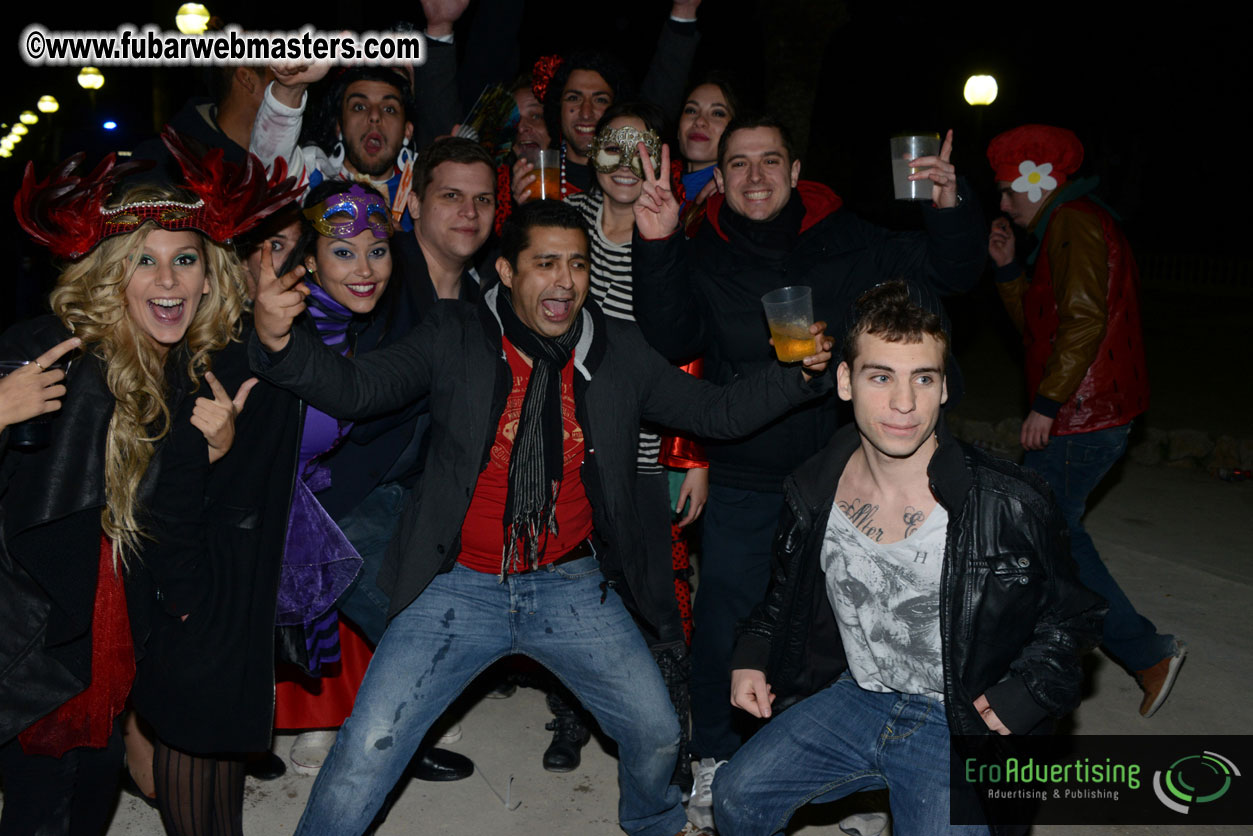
608,210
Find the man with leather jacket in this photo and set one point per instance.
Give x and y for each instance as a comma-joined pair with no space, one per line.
1079,313
920,590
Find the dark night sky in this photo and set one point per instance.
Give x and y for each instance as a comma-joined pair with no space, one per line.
1157,100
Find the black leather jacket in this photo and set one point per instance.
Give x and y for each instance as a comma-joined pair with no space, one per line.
1014,619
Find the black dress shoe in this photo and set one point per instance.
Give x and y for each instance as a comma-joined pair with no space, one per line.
565,753
441,765
265,767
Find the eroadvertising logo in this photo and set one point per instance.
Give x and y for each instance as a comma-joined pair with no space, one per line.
1099,779
1194,779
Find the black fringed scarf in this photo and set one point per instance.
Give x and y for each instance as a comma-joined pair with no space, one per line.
536,464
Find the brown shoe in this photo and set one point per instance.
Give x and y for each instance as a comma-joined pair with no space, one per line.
1159,679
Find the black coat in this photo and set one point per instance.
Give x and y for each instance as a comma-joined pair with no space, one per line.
1014,619
456,358
207,684
50,505
702,297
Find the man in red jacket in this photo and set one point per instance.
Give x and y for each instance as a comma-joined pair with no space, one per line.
1079,313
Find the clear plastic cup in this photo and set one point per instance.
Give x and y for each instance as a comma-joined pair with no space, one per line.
547,185
789,313
911,147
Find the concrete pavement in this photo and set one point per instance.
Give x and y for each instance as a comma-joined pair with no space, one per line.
1175,539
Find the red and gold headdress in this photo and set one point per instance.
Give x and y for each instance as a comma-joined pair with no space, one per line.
67,214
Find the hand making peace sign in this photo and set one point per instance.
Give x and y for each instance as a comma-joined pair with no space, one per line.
657,210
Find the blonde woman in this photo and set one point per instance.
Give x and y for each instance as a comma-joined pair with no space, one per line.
151,295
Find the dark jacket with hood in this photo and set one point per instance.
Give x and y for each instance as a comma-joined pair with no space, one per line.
702,297
1014,619
455,358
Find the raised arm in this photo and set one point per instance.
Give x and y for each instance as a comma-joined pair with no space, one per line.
276,130
435,82
951,253
668,309
666,79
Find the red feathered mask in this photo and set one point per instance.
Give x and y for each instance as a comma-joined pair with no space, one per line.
67,213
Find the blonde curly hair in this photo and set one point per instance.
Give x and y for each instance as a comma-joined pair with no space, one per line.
90,300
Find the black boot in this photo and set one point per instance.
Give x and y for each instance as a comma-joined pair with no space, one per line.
441,765
570,735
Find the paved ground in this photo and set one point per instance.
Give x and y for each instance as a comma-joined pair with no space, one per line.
1174,538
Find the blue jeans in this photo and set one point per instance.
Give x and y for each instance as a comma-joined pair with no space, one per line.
369,527
839,741
735,552
1074,465
462,623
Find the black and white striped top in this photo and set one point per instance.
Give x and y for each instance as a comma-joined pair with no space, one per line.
611,288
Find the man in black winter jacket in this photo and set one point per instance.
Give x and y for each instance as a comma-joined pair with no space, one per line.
766,229
523,535
920,590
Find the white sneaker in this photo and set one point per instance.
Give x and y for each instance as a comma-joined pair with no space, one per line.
309,750
451,736
700,807
690,829
864,824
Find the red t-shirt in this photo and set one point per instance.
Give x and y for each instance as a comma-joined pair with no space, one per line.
483,532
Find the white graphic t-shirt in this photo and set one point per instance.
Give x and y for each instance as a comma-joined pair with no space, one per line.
887,600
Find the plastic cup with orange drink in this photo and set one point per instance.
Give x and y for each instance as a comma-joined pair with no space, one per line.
547,183
789,313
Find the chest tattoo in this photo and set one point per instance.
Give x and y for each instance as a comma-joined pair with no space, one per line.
861,515
913,519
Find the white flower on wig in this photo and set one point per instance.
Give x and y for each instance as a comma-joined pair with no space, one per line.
1033,179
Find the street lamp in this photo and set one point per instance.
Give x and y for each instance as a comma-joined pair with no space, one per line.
20,130
28,117
89,78
192,19
48,104
980,90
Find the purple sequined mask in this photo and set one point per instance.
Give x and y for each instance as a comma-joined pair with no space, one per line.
364,210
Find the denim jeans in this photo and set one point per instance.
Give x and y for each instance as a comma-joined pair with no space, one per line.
1074,465
736,544
838,741
369,527
462,623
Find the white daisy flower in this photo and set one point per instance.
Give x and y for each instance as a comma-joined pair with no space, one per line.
1034,179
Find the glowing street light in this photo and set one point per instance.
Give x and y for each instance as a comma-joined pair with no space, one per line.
28,117
48,104
7,143
90,78
20,130
192,19
980,90
5,152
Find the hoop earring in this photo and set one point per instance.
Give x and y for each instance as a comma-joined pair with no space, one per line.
337,153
